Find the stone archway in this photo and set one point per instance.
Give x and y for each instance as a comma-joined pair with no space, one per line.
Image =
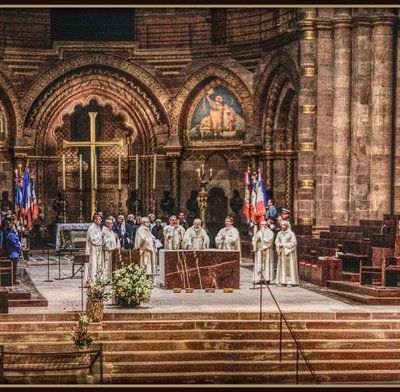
143,120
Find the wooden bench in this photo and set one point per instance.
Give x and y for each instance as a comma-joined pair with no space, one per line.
6,267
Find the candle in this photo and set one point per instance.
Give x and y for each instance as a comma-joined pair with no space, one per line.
95,172
211,173
20,168
198,173
63,172
80,172
202,169
137,172
154,171
119,172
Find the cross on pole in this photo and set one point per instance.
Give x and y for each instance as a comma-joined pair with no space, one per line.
92,144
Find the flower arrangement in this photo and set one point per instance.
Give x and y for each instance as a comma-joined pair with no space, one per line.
131,286
80,334
96,289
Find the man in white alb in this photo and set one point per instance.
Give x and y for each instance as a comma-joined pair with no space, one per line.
263,247
173,234
228,237
287,268
195,237
146,242
110,243
94,243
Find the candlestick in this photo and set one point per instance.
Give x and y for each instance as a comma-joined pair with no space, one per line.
95,172
63,172
80,173
154,171
119,172
137,173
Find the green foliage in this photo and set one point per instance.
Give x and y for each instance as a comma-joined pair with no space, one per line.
131,285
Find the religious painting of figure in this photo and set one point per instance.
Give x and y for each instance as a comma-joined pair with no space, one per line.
217,115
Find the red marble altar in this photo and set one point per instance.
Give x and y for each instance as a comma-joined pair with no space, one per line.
199,269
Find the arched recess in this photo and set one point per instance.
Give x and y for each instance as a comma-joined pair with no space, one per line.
196,86
278,122
142,116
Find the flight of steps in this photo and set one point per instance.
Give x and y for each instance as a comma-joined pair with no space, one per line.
165,348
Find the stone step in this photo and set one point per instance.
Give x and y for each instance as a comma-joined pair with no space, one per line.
366,299
200,325
223,335
208,344
364,290
251,366
252,377
351,276
256,355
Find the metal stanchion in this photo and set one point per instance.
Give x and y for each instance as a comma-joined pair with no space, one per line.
59,266
48,266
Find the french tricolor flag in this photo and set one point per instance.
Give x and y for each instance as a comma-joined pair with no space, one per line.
258,199
247,195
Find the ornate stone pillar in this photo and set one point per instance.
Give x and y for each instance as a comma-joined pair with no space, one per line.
307,119
289,182
360,117
341,116
381,113
268,152
324,137
175,180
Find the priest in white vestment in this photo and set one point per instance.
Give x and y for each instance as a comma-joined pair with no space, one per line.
110,243
263,247
228,238
94,244
146,242
195,237
173,234
287,271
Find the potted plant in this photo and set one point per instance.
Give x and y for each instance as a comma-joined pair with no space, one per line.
97,293
131,286
80,334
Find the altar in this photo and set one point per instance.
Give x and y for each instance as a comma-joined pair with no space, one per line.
71,235
199,269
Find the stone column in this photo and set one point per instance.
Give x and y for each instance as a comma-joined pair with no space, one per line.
307,119
175,180
324,137
360,117
381,113
289,182
268,152
341,116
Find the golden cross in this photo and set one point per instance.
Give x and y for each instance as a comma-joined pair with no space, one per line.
92,143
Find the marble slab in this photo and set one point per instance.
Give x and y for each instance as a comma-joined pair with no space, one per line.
123,256
199,269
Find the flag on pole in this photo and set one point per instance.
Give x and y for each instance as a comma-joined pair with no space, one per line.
18,192
34,204
26,211
247,195
258,198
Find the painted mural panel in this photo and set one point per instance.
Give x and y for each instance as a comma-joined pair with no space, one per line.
217,116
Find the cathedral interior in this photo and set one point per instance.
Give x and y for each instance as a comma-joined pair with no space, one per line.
309,96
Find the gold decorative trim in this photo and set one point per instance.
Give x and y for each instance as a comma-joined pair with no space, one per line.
308,109
306,221
307,146
306,184
308,70
309,34
310,14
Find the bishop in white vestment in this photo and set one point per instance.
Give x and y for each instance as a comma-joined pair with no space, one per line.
263,247
228,237
195,237
173,234
110,243
287,269
146,242
94,243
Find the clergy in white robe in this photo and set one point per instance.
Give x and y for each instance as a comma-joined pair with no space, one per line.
173,234
263,247
146,242
286,245
228,237
110,243
94,244
195,237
